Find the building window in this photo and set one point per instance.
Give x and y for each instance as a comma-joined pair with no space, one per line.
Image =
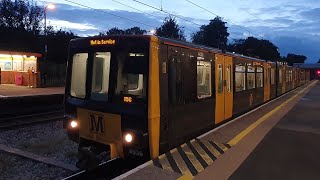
18,65
251,81
6,65
203,79
78,75
30,64
259,77
240,78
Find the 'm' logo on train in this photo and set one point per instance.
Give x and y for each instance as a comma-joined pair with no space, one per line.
96,123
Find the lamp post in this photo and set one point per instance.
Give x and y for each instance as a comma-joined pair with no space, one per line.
42,73
48,6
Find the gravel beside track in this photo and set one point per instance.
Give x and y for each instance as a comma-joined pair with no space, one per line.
49,140
15,168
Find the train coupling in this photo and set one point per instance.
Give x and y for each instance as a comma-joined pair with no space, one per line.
88,160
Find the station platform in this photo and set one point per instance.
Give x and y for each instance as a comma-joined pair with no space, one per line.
24,100
10,90
278,140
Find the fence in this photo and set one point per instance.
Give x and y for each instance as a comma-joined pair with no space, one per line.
53,75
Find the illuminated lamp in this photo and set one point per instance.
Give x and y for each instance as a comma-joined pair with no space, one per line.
17,57
128,137
318,72
5,55
74,124
153,31
51,6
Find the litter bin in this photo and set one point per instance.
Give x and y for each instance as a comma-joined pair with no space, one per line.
19,79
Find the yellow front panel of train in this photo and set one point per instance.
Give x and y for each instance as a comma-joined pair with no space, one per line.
101,127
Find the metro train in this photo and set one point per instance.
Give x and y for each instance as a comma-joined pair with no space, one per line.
136,97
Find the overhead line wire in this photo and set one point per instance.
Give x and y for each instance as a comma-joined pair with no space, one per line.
159,9
221,17
109,13
143,11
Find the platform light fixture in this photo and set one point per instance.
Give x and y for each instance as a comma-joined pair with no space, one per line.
153,31
5,55
49,6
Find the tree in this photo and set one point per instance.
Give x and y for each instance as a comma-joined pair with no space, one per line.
130,31
22,15
113,31
258,48
318,61
135,31
58,42
215,34
20,25
171,29
294,58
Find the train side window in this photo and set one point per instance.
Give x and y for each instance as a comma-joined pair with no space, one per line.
240,78
280,76
79,75
273,76
259,77
100,76
203,79
251,77
229,78
220,79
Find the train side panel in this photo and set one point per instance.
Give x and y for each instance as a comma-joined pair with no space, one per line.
187,98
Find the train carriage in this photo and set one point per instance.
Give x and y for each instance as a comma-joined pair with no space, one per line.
136,97
289,78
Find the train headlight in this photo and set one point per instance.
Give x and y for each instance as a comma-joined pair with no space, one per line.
128,137
74,124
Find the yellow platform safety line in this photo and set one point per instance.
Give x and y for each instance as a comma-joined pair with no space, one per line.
187,175
244,133
181,162
234,141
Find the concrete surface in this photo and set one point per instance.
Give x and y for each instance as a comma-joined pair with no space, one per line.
291,150
10,90
233,164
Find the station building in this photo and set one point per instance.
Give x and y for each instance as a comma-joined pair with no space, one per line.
20,68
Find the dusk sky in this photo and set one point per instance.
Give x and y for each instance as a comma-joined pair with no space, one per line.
292,25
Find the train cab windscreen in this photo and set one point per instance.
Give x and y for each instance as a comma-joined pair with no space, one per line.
99,75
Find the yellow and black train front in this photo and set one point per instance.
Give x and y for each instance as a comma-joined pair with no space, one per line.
111,103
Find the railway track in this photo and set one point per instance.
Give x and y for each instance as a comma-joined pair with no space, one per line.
107,170
30,119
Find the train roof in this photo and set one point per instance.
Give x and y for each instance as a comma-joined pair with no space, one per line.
179,43
210,49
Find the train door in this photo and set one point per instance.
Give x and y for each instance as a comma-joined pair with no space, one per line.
224,88
284,79
267,69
